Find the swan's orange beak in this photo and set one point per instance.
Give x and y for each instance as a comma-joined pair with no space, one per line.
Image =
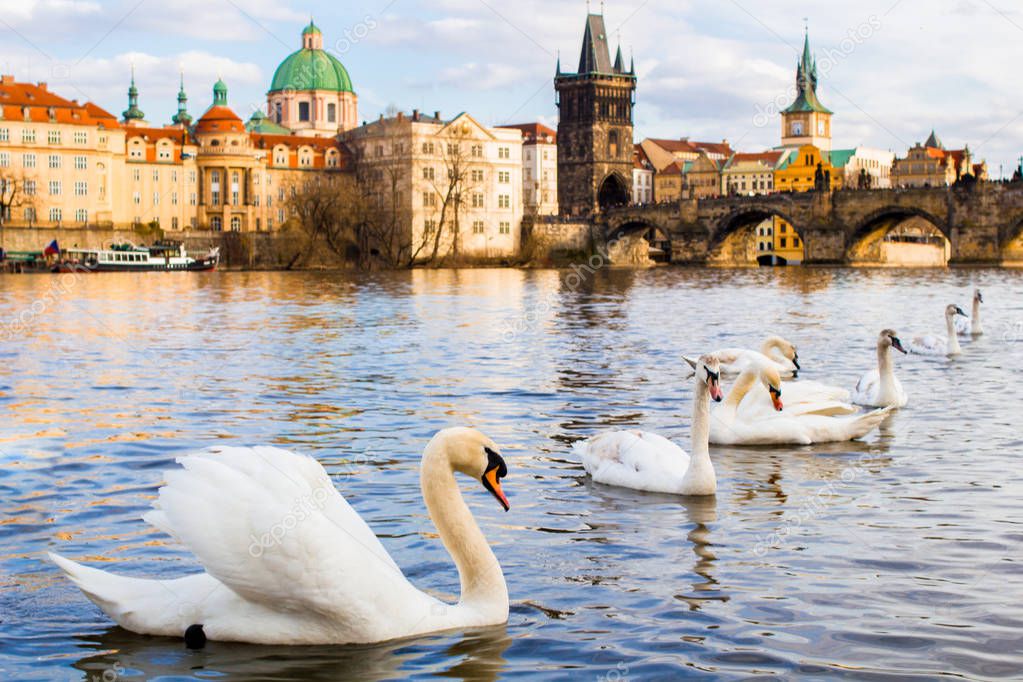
776,399
715,390
492,475
492,482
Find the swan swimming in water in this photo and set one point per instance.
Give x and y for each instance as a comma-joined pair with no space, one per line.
880,387
327,579
971,326
933,344
646,461
735,422
775,350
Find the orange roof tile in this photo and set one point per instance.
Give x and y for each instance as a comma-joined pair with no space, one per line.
533,132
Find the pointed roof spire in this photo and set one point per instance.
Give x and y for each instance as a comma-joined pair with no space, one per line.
133,113
806,81
594,56
934,141
557,69
182,117
619,66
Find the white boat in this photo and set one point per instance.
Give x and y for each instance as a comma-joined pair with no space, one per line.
163,255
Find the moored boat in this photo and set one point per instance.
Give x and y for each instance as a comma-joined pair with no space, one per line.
163,255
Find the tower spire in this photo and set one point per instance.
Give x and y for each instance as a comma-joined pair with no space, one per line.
182,117
133,113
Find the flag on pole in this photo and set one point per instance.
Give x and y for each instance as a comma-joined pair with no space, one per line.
52,249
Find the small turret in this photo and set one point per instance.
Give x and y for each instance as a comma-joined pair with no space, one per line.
133,113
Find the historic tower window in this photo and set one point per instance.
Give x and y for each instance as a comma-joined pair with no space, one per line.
303,111
332,112
797,128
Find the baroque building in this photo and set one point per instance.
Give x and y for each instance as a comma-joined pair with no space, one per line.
595,148
452,186
311,92
539,168
931,165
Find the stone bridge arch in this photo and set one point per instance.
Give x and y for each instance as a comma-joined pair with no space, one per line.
730,243
1010,240
636,238
863,240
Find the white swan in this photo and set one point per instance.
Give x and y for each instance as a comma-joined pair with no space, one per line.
288,561
775,350
933,344
736,423
972,326
646,461
880,387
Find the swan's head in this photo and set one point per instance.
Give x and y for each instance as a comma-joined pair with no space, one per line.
771,380
785,347
977,296
707,371
889,339
951,310
473,454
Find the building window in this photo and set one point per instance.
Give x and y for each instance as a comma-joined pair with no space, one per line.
81,188
5,135
477,176
477,151
428,173
477,227
156,198
331,113
28,160
136,175
280,215
156,176
53,137
81,163
30,214
504,228
81,215
429,199
234,189
477,200
174,223
216,224
504,152
797,128
236,224
503,201
55,215
136,198
174,198
303,111
783,242
429,227
53,161
28,136
81,137
428,147
193,199
30,188
5,159
55,188
504,176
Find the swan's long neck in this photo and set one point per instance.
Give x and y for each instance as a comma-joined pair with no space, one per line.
483,586
886,373
953,337
699,478
975,327
742,386
771,345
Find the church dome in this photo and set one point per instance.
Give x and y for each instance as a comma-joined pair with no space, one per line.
311,68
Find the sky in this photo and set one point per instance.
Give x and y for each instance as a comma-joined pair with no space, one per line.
707,69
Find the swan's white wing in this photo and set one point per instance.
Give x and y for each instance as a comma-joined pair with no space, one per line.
867,388
963,325
928,345
270,525
634,459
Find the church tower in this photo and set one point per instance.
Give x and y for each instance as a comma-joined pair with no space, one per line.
595,126
806,121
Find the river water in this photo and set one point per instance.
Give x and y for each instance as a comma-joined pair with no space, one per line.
896,557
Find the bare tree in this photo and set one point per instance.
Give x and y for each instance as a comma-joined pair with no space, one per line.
13,194
328,210
458,182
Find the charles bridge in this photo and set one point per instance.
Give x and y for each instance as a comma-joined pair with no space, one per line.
982,222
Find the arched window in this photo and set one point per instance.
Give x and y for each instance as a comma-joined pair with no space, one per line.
236,224
612,144
215,223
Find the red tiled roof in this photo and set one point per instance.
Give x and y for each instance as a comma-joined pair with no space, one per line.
175,134
531,132
640,159
686,146
769,158
219,119
673,167
45,106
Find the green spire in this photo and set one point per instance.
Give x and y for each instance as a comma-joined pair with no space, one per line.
806,82
220,93
133,113
311,28
182,117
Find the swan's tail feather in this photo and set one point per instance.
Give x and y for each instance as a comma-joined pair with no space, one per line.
152,607
865,423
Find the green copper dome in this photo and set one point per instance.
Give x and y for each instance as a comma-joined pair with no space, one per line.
311,28
311,69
